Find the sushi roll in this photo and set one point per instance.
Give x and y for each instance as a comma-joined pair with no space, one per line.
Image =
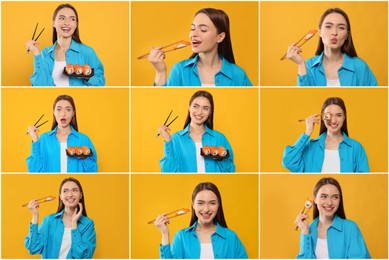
71,150
86,69
78,150
69,69
85,150
214,150
206,150
222,151
77,69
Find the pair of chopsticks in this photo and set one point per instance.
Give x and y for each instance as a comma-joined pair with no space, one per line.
325,116
42,200
176,45
37,126
173,214
304,39
167,120
307,206
33,35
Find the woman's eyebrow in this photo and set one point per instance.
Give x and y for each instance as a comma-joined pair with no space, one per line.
331,23
200,25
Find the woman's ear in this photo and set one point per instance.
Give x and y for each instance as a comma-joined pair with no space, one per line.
221,37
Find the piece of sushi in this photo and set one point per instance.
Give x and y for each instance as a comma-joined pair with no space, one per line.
86,69
85,150
78,150
77,69
71,150
206,150
222,151
326,116
214,150
69,69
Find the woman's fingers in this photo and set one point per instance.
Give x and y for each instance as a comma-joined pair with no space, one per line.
164,132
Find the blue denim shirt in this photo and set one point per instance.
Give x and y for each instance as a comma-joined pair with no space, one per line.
308,155
180,153
78,53
47,239
344,240
186,244
354,72
185,73
45,153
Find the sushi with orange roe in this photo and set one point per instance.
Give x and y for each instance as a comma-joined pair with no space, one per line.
85,150
206,150
71,150
69,69
78,69
78,150
86,69
214,150
222,151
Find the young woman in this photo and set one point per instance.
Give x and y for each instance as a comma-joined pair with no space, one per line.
68,233
337,62
182,149
48,153
333,150
67,48
207,235
212,62
330,235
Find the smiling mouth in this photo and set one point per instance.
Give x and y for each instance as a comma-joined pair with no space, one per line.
66,29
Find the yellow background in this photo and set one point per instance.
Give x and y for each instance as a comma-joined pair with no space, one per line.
283,23
106,201
161,23
104,26
367,121
152,195
236,116
283,196
102,114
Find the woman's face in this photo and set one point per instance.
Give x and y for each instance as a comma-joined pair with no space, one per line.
334,31
63,113
203,34
205,206
327,200
337,117
199,110
65,22
70,194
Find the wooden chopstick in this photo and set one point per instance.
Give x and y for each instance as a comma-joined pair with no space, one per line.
41,200
33,35
296,44
167,120
152,221
163,47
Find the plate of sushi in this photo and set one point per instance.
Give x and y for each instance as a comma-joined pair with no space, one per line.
218,153
79,152
78,71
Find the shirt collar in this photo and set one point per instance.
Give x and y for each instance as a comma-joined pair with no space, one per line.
185,131
73,131
321,139
59,215
220,230
347,62
226,68
74,46
337,224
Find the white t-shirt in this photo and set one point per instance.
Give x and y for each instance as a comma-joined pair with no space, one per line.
199,159
63,158
333,82
321,250
66,243
60,80
207,85
206,251
331,161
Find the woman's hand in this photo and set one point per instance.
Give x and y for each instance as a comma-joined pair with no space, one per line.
161,223
76,216
310,122
156,57
294,55
33,206
302,222
33,131
33,47
164,131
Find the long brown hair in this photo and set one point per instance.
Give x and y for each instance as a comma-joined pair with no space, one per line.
328,180
82,200
207,95
220,214
76,34
222,23
71,101
334,101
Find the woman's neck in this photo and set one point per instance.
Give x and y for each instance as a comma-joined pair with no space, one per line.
209,59
196,129
68,212
325,221
331,136
63,44
64,130
205,227
332,55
